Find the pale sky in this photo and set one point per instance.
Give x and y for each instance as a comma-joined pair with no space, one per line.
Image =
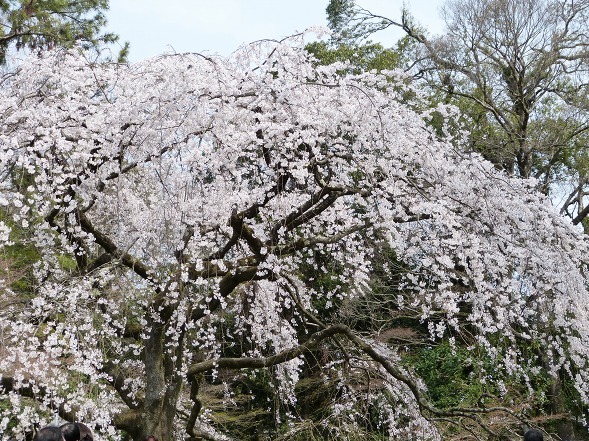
220,26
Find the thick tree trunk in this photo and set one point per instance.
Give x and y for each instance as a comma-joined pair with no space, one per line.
564,428
162,389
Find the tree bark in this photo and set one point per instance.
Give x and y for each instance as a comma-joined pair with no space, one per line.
162,386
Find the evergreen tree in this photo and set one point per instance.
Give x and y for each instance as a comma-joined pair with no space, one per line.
37,25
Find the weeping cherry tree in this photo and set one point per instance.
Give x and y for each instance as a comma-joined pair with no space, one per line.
167,197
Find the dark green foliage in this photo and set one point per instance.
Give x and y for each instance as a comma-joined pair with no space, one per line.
17,261
450,375
38,25
349,22
365,57
338,14
349,44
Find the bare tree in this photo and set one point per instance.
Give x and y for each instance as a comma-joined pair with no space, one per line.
518,70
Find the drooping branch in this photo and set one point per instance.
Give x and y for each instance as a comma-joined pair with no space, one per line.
258,363
312,342
81,254
101,260
330,332
316,205
227,284
153,156
299,212
111,248
188,234
241,230
117,381
221,252
30,390
303,243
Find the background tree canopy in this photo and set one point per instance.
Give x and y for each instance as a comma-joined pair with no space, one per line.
38,25
517,70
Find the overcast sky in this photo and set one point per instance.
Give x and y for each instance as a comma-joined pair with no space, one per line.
220,26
